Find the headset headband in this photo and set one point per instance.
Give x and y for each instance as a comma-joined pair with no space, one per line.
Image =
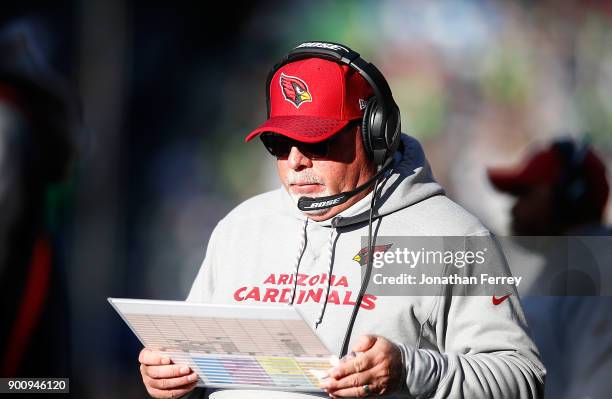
341,54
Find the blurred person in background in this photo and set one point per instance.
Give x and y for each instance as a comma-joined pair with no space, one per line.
38,117
562,190
334,135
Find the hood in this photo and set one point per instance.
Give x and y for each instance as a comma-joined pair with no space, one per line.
408,182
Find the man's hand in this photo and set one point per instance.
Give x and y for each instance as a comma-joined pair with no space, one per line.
379,367
163,379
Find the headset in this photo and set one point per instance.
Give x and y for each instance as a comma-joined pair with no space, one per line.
381,126
571,187
570,194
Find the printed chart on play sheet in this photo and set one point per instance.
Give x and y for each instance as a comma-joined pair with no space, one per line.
231,346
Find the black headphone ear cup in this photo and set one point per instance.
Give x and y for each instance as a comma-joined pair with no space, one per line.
366,134
376,134
571,187
562,148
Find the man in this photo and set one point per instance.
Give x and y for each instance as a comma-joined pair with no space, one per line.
562,190
334,130
38,123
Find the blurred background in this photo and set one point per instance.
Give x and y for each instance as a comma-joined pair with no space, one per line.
168,92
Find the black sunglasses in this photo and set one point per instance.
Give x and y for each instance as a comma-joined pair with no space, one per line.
280,146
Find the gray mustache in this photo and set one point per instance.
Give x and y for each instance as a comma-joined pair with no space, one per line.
304,178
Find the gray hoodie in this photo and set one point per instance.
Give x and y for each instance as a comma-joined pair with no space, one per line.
452,346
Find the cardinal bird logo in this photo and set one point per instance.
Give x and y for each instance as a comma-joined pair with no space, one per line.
362,255
295,90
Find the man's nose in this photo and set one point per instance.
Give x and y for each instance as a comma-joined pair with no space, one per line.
297,160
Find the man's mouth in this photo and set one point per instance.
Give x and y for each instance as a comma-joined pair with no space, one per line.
306,188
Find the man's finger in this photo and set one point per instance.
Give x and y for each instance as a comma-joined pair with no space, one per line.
362,362
146,355
365,342
350,381
355,392
170,383
166,371
171,394
153,358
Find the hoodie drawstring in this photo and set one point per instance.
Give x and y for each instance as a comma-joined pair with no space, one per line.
331,250
331,255
298,260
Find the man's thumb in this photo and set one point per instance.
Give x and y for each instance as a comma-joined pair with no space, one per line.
365,343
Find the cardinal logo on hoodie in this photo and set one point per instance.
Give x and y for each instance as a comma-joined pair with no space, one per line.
295,90
362,256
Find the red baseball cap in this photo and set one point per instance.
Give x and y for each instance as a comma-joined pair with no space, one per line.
546,167
313,99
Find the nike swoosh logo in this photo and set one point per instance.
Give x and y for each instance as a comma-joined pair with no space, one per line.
497,301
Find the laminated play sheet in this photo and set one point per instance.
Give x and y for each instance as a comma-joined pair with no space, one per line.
232,346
